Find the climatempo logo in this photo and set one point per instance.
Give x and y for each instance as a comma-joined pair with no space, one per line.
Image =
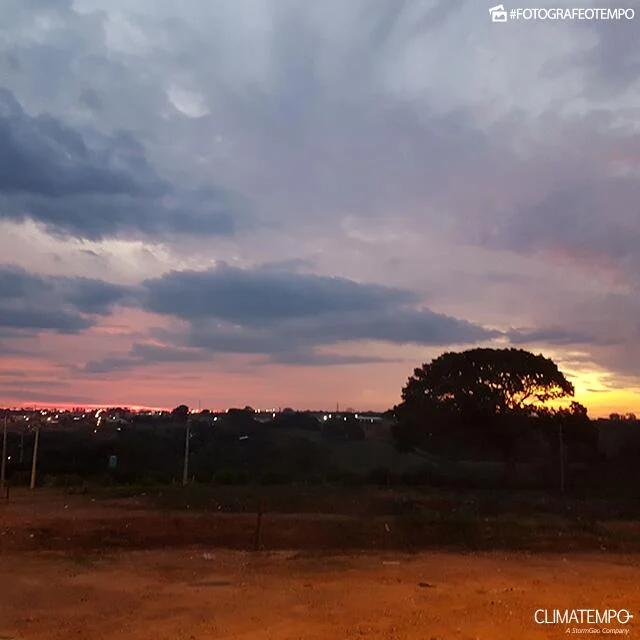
594,621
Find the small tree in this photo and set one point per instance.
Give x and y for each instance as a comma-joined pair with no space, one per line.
180,413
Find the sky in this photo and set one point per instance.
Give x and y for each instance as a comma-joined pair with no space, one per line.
286,203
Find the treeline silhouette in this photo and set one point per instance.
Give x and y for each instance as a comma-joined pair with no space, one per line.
477,418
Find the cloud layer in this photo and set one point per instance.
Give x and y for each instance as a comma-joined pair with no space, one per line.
196,189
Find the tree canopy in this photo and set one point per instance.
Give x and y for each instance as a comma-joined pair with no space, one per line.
483,387
180,413
489,380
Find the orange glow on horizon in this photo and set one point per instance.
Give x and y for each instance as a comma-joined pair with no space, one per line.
237,382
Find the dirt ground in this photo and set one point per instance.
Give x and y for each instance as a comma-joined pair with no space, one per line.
198,594
71,567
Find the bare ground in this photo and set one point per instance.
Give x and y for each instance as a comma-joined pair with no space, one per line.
198,594
73,568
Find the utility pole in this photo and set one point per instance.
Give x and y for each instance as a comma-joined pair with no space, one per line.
34,460
561,459
185,470
3,468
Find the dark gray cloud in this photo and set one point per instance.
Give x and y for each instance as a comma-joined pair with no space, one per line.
615,60
42,156
290,336
127,217
30,302
258,296
32,383
94,186
555,336
140,355
596,218
286,314
92,296
16,396
29,319
143,355
315,359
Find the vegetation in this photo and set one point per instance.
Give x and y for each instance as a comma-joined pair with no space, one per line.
486,402
476,419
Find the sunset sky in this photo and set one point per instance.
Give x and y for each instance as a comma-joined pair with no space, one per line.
294,203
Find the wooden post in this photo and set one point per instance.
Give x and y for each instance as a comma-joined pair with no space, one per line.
3,468
257,541
561,460
34,460
185,469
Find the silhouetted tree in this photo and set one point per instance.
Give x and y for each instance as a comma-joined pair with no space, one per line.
343,428
296,420
579,434
482,394
241,420
180,413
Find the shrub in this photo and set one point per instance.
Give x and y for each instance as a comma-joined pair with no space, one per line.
276,477
230,476
383,477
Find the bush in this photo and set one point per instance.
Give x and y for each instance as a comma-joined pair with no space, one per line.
345,478
276,477
383,477
416,478
20,478
314,479
230,476
67,480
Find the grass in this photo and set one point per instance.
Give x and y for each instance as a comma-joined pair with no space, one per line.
450,504
402,518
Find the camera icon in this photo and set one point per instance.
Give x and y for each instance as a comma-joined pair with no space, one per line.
498,13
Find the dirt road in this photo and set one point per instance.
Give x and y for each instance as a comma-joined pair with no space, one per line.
76,567
202,595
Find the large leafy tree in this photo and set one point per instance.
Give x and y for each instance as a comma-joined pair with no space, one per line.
496,380
477,387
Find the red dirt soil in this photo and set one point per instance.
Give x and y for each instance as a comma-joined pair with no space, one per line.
74,568
202,595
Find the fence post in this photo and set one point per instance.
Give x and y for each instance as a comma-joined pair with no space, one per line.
257,541
34,461
3,469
